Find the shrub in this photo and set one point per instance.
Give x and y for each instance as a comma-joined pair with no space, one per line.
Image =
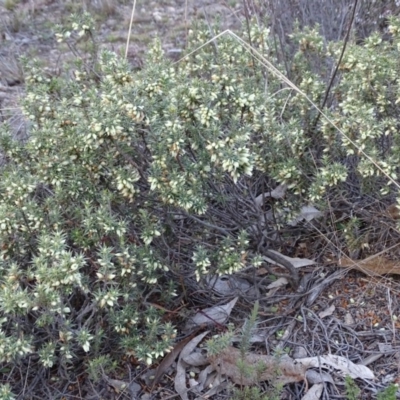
333,17
134,185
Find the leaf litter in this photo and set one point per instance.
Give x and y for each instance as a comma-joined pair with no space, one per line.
296,262
277,369
216,315
180,377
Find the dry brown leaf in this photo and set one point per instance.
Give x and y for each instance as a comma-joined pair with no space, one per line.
226,363
262,271
373,266
271,292
393,211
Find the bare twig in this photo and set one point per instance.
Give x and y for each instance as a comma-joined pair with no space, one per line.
130,29
346,40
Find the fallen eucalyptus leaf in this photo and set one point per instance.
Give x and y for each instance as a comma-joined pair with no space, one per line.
314,377
296,262
342,364
299,352
255,338
169,359
328,311
277,193
307,213
195,359
371,358
211,316
119,386
228,284
207,377
194,386
314,393
216,388
180,376
348,319
278,283
372,266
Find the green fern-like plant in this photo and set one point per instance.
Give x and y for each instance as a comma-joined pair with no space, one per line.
352,390
389,393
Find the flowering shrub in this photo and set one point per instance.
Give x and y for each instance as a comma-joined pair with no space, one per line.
134,185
